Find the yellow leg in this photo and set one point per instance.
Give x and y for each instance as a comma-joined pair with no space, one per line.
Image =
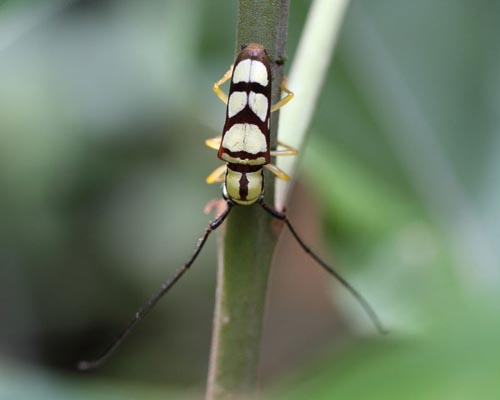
284,100
217,175
276,171
289,150
218,91
214,143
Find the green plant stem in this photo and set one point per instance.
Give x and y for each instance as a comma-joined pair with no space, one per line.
248,243
307,76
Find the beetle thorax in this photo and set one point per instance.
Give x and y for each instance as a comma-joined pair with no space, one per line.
243,188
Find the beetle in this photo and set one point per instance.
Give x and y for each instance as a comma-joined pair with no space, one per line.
245,148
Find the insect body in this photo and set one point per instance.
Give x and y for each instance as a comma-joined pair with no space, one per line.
245,139
245,147
245,142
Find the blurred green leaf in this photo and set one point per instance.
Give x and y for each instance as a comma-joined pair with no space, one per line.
458,360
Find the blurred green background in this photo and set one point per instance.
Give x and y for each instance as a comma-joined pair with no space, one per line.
104,106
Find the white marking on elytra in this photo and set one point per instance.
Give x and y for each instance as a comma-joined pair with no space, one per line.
243,161
241,72
237,102
251,71
245,137
259,105
258,73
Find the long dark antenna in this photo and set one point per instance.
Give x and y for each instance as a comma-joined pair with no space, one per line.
146,308
362,301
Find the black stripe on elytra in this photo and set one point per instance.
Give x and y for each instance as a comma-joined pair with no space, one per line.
250,87
245,155
247,116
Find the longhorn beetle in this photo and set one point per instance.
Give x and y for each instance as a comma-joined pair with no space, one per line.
245,147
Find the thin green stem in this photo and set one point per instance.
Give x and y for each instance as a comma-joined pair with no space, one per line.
248,243
307,76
